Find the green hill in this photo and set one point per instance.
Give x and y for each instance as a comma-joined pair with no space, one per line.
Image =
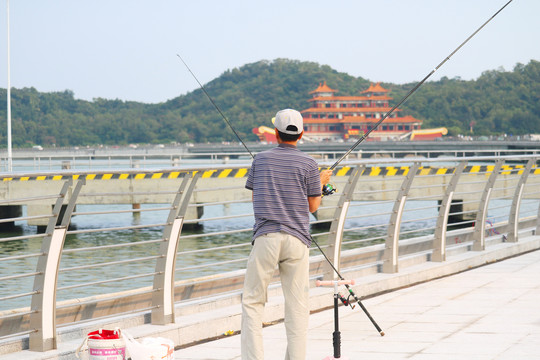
497,102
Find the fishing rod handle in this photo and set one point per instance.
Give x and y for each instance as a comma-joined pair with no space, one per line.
330,283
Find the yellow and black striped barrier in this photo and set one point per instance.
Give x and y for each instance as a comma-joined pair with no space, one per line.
383,171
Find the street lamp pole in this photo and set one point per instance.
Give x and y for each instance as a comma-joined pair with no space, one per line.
10,158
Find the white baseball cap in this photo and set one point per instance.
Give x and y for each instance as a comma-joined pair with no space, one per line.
289,121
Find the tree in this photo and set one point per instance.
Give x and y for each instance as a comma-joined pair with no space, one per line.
498,102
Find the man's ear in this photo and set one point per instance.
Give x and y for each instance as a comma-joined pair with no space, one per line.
278,139
301,134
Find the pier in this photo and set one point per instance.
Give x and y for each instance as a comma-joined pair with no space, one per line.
484,313
394,223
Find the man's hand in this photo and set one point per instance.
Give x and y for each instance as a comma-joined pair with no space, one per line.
325,176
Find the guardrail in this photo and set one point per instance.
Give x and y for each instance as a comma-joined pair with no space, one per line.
94,262
153,157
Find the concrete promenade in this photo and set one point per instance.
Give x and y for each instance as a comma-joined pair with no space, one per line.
490,312
475,305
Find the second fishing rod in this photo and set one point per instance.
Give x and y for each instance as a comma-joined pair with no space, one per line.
413,90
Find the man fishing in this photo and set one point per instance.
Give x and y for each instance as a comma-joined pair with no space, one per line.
286,186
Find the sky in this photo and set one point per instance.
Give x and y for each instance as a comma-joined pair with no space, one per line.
127,49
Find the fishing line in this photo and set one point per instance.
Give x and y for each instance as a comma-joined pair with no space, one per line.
215,105
414,89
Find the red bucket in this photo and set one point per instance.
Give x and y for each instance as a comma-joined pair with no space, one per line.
105,345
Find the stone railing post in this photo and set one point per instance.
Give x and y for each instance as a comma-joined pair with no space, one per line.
513,220
439,242
163,296
391,250
43,306
336,228
479,235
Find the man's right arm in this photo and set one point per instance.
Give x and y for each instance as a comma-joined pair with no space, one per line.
315,201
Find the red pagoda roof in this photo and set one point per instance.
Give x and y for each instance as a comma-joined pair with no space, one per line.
377,88
352,98
323,88
361,119
349,110
403,119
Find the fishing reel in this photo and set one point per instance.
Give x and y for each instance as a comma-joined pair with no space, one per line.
346,300
328,189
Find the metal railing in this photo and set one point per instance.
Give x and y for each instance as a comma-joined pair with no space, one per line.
181,157
98,261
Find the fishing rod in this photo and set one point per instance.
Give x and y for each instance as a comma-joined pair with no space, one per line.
322,252
332,189
413,90
215,105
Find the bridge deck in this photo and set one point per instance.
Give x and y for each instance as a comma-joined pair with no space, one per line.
491,312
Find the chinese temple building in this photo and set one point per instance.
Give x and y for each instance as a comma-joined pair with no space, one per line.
332,117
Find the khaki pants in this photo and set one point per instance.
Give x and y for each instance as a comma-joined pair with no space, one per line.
292,257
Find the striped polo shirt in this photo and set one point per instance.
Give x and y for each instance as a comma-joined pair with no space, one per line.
282,179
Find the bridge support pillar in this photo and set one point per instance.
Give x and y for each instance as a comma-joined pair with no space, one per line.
9,212
38,210
193,214
45,210
456,214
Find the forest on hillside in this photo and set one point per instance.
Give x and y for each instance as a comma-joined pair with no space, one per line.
498,102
